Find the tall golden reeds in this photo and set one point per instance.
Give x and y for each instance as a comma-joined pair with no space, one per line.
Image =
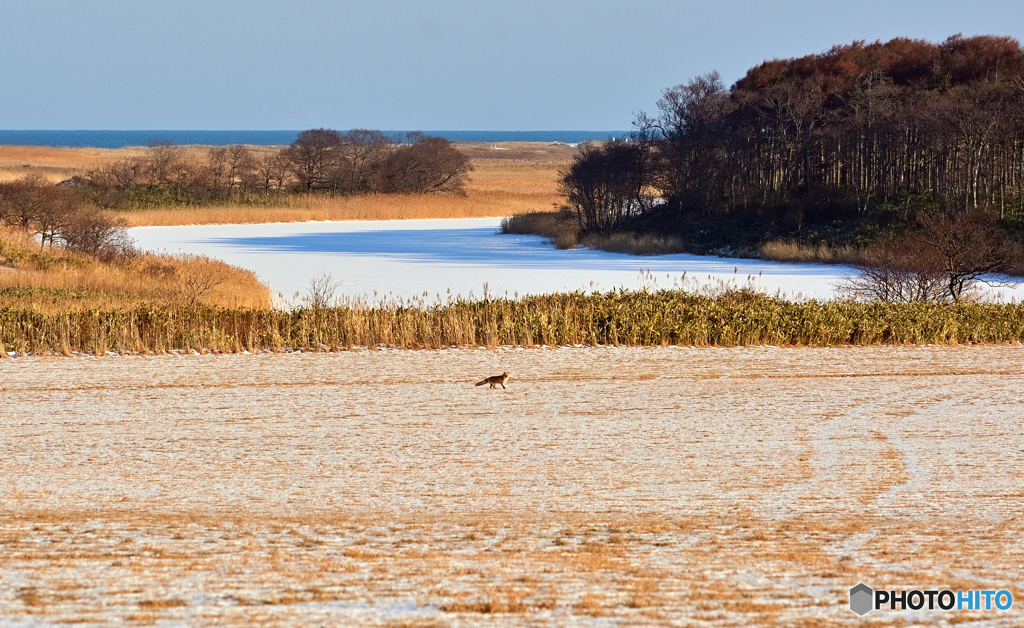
302,208
795,252
672,317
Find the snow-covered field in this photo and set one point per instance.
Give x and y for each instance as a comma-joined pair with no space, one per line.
406,258
606,486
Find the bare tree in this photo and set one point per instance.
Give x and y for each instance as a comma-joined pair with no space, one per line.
893,273
62,209
967,248
606,184
127,173
690,121
95,232
314,158
272,171
164,160
37,206
24,200
361,151
197,279
424,165
240,165
322,289
217,167
942,260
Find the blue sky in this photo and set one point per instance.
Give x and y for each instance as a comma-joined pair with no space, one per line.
406,64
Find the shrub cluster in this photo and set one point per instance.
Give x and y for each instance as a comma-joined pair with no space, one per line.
59,215
318,161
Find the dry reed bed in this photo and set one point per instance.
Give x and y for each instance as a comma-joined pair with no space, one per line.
166,279
496,188
483,204
629,486
797,253
669,317
52,281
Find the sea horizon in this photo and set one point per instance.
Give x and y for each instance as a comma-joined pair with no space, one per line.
120,138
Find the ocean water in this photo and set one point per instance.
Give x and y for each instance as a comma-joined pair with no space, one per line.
119,139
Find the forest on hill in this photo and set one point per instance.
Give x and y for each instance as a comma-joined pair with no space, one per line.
845,147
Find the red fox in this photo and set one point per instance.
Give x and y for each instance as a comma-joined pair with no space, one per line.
497,379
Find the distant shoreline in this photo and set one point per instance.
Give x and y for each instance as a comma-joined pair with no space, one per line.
122,139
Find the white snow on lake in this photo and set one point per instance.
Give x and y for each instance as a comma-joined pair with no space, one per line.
405,258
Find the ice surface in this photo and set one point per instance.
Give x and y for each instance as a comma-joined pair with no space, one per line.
406,258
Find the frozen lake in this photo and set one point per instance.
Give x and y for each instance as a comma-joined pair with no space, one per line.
405,258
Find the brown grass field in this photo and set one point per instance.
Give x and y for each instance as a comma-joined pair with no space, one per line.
606,486
57,164
514,177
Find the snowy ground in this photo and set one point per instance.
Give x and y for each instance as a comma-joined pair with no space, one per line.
409,257
628,486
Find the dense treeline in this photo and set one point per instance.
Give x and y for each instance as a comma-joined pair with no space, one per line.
836,147
672,317
318,161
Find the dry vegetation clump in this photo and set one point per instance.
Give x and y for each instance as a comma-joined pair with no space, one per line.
799,253
507,601
162,603
667,317
634,244
562,229
52,280
361,207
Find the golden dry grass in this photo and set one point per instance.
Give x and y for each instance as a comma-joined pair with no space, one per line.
56,164
49,281
795,252
671,317
365,207
60,163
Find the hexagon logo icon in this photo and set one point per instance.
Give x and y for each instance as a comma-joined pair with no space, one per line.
861,599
